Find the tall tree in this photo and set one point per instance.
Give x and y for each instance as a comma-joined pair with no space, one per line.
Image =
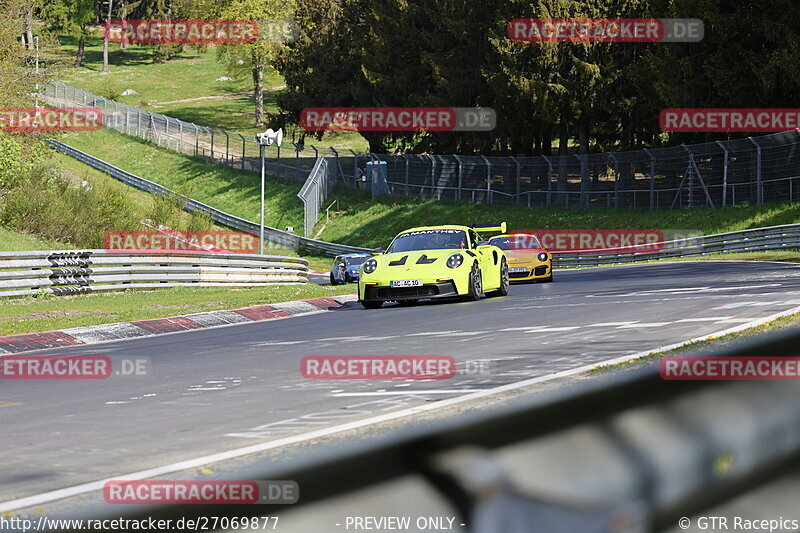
254,58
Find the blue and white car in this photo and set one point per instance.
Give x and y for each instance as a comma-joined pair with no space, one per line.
345,268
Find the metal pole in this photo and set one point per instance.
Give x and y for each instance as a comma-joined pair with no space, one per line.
488,180
196,139
616,180
458,170
549,181
652,176
261,238
180,136
36,39
243,148
759,189
724,175
516,198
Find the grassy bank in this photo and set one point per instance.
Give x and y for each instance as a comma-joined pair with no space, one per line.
361,221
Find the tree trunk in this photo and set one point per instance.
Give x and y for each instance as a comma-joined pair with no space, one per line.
79,57
27,29
105,38
258,83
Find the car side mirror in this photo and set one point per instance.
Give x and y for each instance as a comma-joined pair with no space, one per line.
483,243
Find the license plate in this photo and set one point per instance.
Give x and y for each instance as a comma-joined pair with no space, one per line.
406,283
518,269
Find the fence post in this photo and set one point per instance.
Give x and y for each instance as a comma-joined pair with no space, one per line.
212,142
584,202
227,147
549,201
458,172
652,176
196,139
406,161
336,168
433,173
616,180
759,188
180,136
244,144
138,122
519,170
488,180
725,175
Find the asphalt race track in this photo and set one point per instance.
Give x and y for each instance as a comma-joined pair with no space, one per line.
225,388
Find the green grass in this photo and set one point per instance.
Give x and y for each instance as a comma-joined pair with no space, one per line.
30,314
360,221
14,241
226,105
233,191
365,223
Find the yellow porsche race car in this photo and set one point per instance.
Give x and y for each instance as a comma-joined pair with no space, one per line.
435,262
528,260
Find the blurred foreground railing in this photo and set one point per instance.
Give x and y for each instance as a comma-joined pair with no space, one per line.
631,453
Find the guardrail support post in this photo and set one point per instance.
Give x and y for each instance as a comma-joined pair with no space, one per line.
488,180
519,169
616,180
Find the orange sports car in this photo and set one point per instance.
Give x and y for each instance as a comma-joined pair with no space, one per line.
527,259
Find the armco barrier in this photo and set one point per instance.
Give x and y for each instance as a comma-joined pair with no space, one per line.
786,237
274,235
80,271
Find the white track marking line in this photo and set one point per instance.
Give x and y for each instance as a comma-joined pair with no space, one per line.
708,319
740,320
609,324
405,392
93,486
432,333
644,325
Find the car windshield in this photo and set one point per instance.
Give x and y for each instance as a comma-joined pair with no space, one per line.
356,260
516,242
429,239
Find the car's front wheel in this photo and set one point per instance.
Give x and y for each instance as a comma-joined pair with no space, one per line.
333,280
475,288
504,281
371,304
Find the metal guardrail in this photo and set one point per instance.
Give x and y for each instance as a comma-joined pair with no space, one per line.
314,193
274,235
80,271
786,237
630,453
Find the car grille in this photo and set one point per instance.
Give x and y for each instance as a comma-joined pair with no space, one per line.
388,293
513,275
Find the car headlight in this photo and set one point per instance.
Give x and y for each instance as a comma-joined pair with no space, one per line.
369,266
542,256
455,260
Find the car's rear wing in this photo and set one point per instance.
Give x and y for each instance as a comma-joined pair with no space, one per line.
490,229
